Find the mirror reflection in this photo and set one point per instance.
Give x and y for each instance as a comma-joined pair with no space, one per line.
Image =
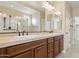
57,23
20,18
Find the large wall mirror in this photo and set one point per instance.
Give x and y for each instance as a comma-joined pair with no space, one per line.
14,24
12,20
27,19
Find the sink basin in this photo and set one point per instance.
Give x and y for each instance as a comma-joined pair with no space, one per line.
26,37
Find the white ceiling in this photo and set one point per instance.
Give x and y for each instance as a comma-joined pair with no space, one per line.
34,4
23,7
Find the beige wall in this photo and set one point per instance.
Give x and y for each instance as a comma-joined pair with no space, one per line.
66,10
75,11
69,10
68,25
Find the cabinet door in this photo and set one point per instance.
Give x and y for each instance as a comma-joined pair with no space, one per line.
50,50
50,47
28,54
56,48
61,44
41,51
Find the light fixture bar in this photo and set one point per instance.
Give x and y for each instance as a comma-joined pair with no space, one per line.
47,6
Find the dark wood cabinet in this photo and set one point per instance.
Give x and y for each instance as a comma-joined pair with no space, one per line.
61,43
27,54
41,51
56,46
43,48
50,48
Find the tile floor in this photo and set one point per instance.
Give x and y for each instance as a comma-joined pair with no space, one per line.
72,52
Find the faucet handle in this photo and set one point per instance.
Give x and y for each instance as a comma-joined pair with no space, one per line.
23,32
26,33
19,33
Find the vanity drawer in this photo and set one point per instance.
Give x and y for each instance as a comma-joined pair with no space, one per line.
14,50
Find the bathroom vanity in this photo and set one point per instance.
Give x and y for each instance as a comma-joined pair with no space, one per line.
45,46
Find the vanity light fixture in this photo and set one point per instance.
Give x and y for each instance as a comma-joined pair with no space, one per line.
0,13
58,13
52,7
4,15
24,16
18,17
47,6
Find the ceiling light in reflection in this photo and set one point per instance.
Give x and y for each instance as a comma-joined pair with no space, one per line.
58,13
18,17
4,15
34,21
44,4
52,7
47,6
11,6
24,16
0,13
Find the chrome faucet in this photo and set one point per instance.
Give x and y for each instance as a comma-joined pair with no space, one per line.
26,33
19,34
23,33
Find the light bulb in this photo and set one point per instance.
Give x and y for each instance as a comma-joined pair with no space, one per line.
47,6
11,6
4,15
58,13
18,17
34,21
52,8
0,13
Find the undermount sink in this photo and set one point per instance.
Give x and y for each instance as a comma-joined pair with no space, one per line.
26,37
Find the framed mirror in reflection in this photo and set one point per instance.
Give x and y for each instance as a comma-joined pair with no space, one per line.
57,22
26,23
8,24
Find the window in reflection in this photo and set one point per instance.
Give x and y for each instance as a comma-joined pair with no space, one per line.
34,22
57,23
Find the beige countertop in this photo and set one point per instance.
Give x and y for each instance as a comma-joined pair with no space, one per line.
9,40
